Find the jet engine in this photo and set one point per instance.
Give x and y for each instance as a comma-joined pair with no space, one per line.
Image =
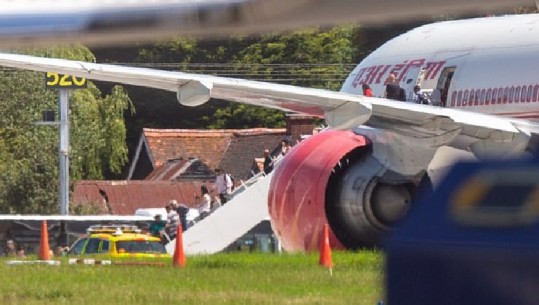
360,182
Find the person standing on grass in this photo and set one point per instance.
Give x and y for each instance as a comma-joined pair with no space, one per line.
10,249
20,252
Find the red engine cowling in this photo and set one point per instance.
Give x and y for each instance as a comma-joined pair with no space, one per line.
334,178
297,195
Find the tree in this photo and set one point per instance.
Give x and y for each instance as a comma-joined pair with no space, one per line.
29,152
313,58
310,58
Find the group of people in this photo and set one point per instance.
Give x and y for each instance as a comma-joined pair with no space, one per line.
166,229
223,188
12,250
394,91
177,213
269,160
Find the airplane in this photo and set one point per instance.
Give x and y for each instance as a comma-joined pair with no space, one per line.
99,22
361,175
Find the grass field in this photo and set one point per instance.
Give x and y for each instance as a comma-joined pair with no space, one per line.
238,278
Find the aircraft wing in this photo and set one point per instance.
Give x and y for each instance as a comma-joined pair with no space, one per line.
433,126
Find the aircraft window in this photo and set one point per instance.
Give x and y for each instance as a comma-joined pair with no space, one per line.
459,98
465,98
476,96
104,246
472,97
483,95
529,94
500,95
511,95
76,248
453,98
488,96
517,94
92,246
494,95
505,95
535,92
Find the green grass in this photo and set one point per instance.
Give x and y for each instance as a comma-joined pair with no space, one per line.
238,278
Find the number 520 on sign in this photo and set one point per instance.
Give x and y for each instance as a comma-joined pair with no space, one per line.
55,80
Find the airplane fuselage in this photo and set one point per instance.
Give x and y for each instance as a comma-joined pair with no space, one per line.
486,65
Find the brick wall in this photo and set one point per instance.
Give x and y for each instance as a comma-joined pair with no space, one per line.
298,125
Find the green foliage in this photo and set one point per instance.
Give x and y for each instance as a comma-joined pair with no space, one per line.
181,50
312,58
306,53
29,152
233,115
297,57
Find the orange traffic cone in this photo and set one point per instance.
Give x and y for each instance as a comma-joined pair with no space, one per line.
44,250
179,257
325,251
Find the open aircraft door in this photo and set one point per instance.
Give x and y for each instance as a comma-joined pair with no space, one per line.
440,93
410,79
438,79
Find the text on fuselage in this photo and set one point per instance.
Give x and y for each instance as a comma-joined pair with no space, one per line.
377,74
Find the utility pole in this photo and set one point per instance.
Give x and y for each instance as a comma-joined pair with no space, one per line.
63,150
63,83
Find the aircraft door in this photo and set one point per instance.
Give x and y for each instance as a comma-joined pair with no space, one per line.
411,79
440,93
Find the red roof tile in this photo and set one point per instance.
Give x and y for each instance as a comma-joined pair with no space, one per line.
168,171
125,197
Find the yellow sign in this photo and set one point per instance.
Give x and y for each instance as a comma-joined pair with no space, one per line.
55,80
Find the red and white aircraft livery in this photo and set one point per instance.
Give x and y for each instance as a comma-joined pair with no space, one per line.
360,175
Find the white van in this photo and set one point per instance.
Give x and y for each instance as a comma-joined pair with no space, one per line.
192,214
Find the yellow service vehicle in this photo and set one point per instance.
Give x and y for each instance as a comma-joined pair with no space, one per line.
118,241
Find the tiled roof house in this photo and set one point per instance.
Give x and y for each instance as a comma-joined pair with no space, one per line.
233,150
174,163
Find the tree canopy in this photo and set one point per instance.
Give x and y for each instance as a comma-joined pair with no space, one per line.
29,151
314,58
